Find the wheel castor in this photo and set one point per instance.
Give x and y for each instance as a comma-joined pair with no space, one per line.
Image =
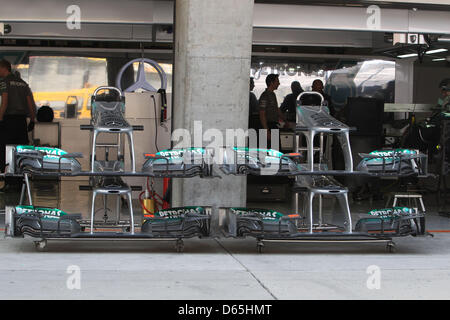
260,246
390,247
179,245
41,246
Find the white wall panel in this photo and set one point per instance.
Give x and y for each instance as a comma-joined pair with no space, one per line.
265,15
292,37
98,11
429,22
329,18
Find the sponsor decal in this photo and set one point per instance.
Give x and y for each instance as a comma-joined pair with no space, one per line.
47,213
389,155
50,153
177,213
386,153
391,212
180,152
270,152
267,214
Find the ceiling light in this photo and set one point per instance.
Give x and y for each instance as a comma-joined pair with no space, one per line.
436,51
444,39
439,59
409,55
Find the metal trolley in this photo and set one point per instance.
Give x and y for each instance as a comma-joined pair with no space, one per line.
48,224
178,223
271,226
315,179
52,224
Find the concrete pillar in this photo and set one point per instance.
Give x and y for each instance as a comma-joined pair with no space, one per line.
404,84
213,41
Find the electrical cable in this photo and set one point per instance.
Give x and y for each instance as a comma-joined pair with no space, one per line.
156,123
157,149
153,195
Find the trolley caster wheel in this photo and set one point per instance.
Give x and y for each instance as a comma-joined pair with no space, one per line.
41,246
260,247
390,247
179,246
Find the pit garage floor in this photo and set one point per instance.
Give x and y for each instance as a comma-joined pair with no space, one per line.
223,268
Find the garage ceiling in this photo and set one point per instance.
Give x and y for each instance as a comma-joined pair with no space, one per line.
282,28
438,5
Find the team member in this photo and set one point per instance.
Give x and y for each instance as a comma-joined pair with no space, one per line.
253,116
269,113
314,100
16,106
289,105
444,99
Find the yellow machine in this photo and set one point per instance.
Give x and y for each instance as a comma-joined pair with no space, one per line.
58,101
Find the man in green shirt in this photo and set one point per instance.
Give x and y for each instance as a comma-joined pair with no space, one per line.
16,105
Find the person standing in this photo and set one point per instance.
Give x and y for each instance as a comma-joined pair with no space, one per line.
269,113
16,106
314,100
444,99
289,105
253,116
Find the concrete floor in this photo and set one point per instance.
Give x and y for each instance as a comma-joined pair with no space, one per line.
223,268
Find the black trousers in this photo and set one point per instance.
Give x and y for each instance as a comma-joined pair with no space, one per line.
272,144
13,130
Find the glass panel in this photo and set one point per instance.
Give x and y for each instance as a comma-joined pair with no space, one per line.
305,73
63,81
342,79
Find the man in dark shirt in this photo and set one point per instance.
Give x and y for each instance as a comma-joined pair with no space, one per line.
269,113
289,105
444,99
16,106
314,100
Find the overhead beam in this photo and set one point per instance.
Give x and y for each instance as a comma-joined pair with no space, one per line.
431,2
84,49
89,31
98,11
293,37
316,55
265,15
350,18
